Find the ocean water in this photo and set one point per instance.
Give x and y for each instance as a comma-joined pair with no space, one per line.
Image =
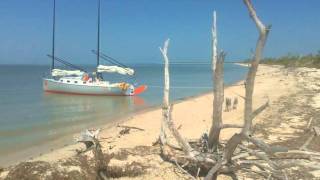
33,120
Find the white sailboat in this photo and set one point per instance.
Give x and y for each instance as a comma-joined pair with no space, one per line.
78,81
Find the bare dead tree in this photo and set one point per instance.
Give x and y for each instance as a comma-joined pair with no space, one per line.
263,34
166,107
218,89
248,112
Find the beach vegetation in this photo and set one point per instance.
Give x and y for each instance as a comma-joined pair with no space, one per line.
291,60
311,60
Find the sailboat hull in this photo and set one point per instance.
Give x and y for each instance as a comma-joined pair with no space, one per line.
56,86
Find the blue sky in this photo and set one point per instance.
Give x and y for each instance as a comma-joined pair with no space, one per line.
132,30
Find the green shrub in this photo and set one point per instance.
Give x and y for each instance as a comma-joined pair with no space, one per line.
290,60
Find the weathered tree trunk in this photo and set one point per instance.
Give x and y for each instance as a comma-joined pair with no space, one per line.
263,33
166,108
248,112
217,104
100,161
218,89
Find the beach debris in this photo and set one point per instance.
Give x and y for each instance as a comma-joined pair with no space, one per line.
105,138
84,167
90,138
124,131
309,123
315,132
130,127
87,137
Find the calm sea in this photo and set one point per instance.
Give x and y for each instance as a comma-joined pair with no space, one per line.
33,120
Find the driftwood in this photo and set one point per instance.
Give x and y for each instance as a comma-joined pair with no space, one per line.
130,127
263,33
309,123
248,112
90,139
126,129
218,89
315,131
166,108
86,137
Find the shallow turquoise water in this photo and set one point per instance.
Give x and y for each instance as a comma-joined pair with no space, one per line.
31,118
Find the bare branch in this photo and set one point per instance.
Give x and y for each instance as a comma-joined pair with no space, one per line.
130,127
306,144
263,31
309,123
214,41
164,52
167,109
214,133
225,126
260,26
260,155
260,109
184,171
218,89
232,145
265,147
212,174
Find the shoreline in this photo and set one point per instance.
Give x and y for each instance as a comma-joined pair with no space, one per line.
193,117
34,153
63,153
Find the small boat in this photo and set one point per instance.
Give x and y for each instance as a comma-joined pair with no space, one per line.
78,81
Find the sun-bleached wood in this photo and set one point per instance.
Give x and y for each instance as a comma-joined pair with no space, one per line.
215,129
214,41
248,112
167,108
263,33
218,88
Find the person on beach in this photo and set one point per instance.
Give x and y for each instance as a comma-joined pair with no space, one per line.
228,105
235,103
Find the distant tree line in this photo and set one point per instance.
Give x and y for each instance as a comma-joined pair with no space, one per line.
291,60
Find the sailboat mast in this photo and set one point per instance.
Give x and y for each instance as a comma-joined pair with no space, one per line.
98,42
53,32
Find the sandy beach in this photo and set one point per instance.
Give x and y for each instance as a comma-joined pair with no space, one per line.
281,86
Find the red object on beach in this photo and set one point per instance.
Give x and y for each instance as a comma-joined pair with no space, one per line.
140,89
